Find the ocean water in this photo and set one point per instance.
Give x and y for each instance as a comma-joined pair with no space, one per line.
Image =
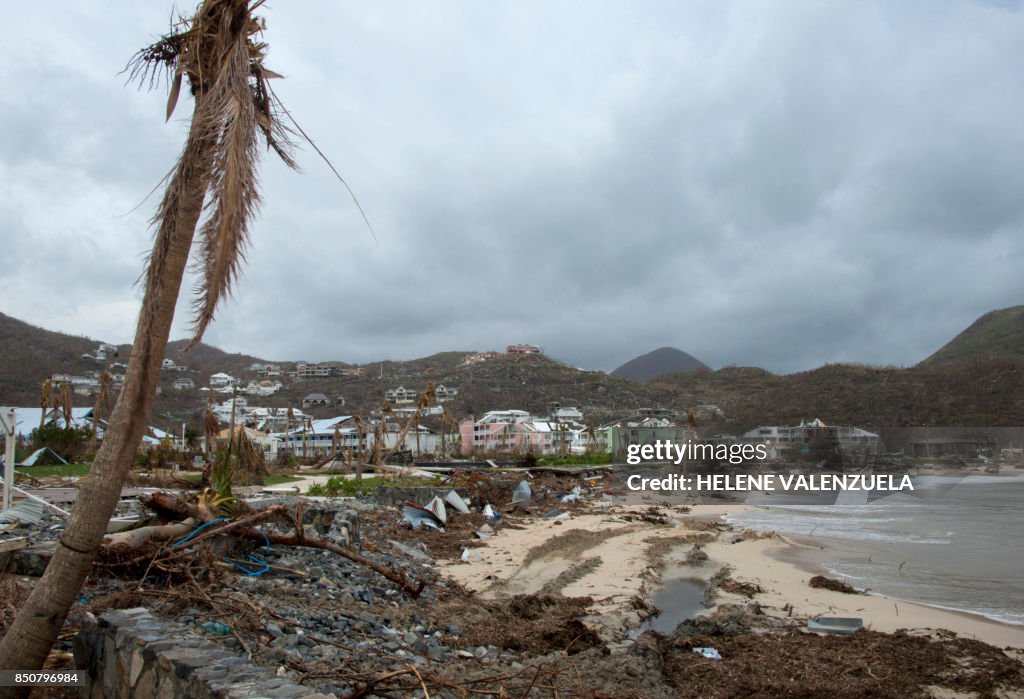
956,543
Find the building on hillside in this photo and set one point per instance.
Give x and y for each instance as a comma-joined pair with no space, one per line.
524,349
262,388
222,380
234,409
314,371
80,385
400,395
183,384
444,394
566,414
478,357
315,400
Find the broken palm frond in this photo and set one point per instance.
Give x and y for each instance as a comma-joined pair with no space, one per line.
211,425
102,406
250,458
219,51
422,402
66,403
45,401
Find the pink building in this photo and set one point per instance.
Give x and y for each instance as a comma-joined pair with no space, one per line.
513,431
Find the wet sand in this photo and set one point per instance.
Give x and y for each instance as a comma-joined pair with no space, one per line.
606,557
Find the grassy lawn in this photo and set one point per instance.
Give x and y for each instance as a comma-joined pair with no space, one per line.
575,460
64,470
275,480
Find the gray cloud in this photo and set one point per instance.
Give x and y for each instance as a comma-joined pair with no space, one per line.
772,184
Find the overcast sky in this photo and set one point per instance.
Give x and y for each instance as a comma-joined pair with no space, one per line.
772,183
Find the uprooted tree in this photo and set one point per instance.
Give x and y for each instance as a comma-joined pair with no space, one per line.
219,53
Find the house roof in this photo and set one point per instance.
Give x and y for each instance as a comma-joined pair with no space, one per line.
27,419
315,396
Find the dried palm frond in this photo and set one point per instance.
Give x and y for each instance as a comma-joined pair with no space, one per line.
102,406
211,425
66,403
45,401
219,51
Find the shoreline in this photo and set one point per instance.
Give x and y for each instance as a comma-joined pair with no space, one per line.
813,558
614,557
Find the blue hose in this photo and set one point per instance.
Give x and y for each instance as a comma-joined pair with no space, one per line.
251,573
197,530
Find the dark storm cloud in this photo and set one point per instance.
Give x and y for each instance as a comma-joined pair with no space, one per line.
754,183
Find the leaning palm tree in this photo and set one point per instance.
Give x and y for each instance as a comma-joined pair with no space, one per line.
220,53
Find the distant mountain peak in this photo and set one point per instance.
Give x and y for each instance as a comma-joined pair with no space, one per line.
664,360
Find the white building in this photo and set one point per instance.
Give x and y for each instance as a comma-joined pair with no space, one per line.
222,380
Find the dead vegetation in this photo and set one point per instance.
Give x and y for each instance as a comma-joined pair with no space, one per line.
868,663
820,581
537,624
209,535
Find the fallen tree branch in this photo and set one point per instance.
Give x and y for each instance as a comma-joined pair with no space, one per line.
395,576
136,538
170,504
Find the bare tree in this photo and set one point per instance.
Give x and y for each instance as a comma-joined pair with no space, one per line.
220,53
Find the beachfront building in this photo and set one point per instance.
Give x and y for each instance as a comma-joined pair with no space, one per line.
515,431
646,426
816,440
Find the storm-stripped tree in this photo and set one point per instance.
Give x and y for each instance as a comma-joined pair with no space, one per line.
220,54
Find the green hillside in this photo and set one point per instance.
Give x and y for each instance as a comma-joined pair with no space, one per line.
995,334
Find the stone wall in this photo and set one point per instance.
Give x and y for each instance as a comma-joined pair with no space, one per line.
130,654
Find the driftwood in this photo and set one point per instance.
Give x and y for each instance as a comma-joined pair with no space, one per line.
170,506
136,538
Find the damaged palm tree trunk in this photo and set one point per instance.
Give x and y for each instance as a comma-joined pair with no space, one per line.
220,54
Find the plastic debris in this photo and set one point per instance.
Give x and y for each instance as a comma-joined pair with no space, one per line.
521,495
465,555
573,496
708,652
489,512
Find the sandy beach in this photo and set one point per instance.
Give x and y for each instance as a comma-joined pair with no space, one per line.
615,556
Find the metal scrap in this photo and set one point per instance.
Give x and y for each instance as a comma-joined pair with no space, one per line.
420,517
25,512
456,501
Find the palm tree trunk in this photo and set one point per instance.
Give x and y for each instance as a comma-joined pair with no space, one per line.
30,637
